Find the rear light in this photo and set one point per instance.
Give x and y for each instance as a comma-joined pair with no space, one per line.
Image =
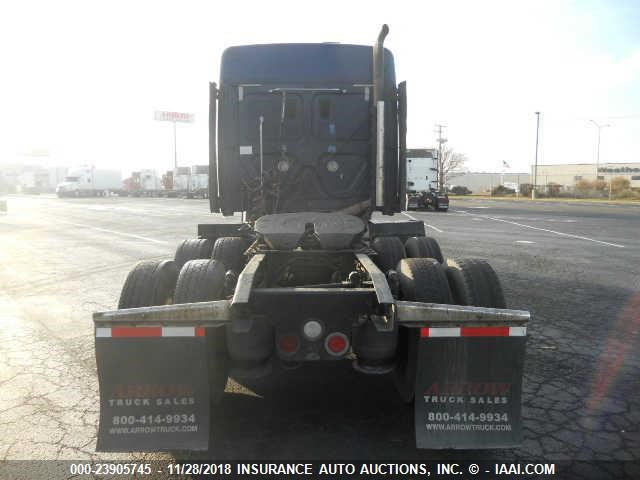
288,344
312,329
336,344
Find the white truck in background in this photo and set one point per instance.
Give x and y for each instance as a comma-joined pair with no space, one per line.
181,179
88,181
149,182
199,181
422,181
143,183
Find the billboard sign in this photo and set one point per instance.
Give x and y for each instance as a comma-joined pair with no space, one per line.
174,117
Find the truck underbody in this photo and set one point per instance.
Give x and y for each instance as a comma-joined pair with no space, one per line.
311,275
276,293
425,200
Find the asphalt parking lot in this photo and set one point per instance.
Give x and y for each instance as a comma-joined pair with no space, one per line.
576,267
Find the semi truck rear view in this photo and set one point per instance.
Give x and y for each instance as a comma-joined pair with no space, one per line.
422,181
308,140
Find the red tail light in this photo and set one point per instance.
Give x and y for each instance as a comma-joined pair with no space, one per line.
337,343
289,344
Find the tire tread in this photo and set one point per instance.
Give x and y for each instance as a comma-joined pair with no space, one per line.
390,251
423,247
192,249
230,250
149,283
474,282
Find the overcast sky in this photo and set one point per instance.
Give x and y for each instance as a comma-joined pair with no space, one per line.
81,80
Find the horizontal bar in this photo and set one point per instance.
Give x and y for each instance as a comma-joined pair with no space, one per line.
218,312
313,291
182,314
303,89
419,314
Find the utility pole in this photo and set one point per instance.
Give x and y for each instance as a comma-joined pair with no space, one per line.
175,146
535,168
599,127
441,140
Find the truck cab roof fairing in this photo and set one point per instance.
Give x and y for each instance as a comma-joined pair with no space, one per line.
308,63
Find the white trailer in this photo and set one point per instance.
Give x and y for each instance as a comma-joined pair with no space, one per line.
199,181
88,181
422,170
181,176
149,182
33,180
422,181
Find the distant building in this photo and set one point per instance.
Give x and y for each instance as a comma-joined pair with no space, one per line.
568,175
481,182
30,178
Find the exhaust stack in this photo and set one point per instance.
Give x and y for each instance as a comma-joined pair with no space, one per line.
378,89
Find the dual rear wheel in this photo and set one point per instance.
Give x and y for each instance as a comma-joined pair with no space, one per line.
423,277
192,277
458,281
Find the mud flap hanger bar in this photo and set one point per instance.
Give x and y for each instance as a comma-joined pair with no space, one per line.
202,314
418,314
385,321
216,313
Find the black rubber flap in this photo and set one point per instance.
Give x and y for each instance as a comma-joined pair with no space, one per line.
468,392
154,394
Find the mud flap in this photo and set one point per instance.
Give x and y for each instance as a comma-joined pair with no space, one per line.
154,388
468,387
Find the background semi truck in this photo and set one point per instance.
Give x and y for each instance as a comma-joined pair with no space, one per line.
142,183
199,181
422,181
88,181
181,180
311,148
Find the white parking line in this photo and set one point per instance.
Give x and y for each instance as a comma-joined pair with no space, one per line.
414,218
557,233
435,228
524,241
114,232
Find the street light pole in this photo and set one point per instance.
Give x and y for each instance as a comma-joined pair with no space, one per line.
535,168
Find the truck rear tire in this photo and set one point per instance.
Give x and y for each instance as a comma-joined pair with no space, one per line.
230,250
390,251
423,247
149,283
202,280
473,282
193,249
421,280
